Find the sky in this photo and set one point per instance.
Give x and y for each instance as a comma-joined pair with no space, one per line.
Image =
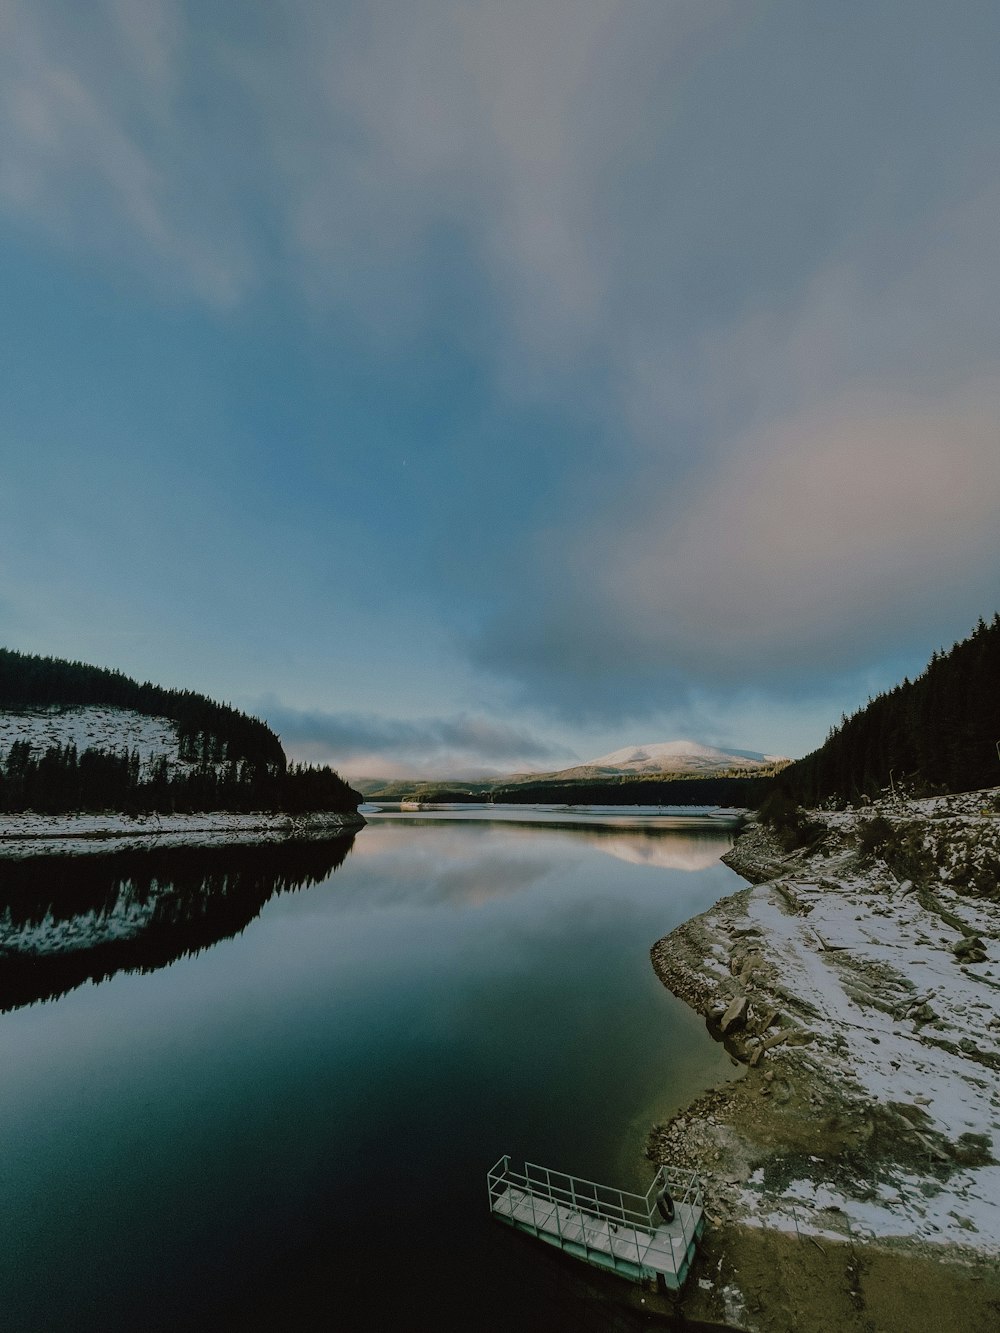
477,386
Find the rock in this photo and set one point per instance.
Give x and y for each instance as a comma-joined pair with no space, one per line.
735,1015
750,965
790,897
793,1036
968,944
767,1020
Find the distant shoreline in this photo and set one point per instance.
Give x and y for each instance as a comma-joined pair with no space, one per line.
77,834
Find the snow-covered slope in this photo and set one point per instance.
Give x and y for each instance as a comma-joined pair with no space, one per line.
681,756
115,730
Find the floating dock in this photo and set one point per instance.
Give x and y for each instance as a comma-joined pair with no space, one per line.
604,1226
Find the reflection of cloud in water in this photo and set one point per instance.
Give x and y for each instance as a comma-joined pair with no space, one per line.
438,868
673,851
391,867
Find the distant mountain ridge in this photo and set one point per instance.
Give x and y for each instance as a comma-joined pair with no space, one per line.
673,757
676,764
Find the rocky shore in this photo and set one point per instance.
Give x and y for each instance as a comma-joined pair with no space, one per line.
851,1176
77,834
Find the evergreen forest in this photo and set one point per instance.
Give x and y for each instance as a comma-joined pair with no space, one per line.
627,790
937,733
231,762
27,681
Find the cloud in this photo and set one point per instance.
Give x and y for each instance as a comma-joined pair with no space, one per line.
336,147
365,745
100,150
835,505
742,263
813,546
819,535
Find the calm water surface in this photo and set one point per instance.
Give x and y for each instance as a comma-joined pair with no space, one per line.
290,1127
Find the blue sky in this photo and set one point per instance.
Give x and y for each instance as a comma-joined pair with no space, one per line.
477,386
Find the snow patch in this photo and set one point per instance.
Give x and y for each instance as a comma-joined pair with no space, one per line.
112,730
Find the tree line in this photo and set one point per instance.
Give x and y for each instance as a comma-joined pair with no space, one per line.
29,681
937,733
734,791
60,780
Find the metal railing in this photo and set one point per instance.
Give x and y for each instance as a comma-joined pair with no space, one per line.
637,1215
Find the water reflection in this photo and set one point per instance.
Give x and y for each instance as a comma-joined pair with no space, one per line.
69,920
290,1130
667,849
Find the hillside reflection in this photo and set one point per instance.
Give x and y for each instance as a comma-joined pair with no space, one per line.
669,849
69,920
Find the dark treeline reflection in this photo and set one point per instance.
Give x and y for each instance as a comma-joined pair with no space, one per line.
66,920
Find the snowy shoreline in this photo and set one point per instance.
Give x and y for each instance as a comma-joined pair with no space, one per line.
866,1007
79,834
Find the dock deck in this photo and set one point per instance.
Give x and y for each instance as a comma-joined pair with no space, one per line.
604,1226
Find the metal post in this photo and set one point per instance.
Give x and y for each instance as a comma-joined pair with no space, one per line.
579,1213
555,1204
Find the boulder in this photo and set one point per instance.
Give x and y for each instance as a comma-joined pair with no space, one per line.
735,1016
968,944
750,965
973,956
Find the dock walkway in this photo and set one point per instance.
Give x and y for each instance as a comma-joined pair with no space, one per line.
604,1226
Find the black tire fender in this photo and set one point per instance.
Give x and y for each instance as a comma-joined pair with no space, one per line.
665,1205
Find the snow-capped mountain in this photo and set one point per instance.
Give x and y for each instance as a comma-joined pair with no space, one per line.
679,756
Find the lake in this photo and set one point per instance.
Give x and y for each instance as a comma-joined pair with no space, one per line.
262,1087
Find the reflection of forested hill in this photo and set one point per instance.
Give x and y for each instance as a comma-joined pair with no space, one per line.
68,920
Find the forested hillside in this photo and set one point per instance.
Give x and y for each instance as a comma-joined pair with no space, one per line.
731,791
62,781
205,756
938,732
738,788
205,729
